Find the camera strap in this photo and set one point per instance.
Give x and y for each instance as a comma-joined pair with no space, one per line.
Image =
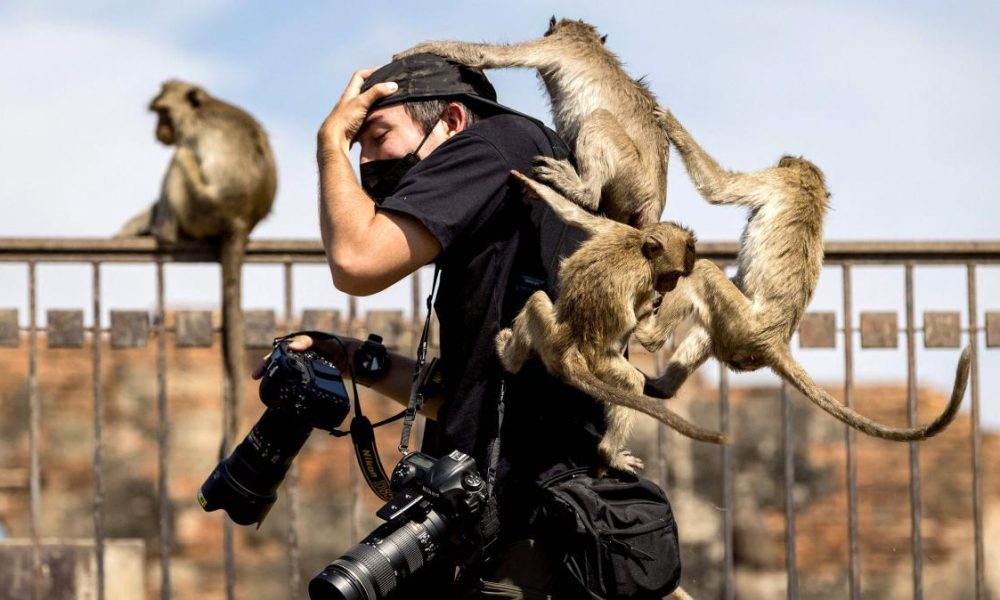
416,388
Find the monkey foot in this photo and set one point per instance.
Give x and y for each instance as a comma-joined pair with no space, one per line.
621,460
625,461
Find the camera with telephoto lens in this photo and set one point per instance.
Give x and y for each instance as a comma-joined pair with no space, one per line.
438,507
302,391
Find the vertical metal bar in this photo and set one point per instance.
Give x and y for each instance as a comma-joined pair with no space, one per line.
728,589
163,433
294,578
854,568
416,310
977,439
354,502
789,485
911,412
661,434
35,482
229,420
95,342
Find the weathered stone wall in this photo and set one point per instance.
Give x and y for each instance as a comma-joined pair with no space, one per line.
326,466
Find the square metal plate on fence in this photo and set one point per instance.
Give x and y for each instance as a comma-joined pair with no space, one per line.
993,329
65,328
129,328
942,329
9,335
327,321
818,330
193,328
387,323
260,327
879,330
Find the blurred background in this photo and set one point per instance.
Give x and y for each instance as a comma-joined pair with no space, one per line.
895,101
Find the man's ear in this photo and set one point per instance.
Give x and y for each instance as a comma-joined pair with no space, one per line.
455,118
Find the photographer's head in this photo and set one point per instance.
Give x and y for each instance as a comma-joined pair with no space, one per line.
436,99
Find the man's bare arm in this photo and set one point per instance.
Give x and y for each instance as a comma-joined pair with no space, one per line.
367,250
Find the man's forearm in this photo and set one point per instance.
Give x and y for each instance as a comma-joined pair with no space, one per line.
345,211
397,382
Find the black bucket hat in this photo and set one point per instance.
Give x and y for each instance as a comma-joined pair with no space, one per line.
428,77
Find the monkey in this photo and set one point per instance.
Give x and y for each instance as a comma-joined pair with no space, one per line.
609,284
220,183
602,113
747,322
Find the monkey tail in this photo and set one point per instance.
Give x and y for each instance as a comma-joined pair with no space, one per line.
791,371
231,258
579,375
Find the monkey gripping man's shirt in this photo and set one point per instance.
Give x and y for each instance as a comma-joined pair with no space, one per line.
498,248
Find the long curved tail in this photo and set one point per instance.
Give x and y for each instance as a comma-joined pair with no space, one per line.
791,371
580,377
231,257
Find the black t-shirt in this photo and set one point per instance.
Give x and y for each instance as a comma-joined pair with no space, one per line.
498,248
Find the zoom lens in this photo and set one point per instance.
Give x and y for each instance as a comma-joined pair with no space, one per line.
245,484
379,563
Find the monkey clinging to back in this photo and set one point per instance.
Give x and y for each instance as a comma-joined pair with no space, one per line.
602,113
220,183
607,286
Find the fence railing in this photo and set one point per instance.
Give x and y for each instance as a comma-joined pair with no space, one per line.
193,328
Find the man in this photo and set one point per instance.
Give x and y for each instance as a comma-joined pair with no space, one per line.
436,155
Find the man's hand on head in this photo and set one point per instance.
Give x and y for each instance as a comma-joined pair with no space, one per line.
338,130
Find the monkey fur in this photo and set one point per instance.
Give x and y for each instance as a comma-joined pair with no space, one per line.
220,183
747,322
609,284
602,113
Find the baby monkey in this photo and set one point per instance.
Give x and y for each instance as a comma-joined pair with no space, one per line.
607,286
602,113
747,323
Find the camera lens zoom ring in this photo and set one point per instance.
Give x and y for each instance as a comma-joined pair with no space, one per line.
377,563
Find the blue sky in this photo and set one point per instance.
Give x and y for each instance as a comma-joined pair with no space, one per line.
896,101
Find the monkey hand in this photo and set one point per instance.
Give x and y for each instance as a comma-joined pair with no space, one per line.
459,52
342,124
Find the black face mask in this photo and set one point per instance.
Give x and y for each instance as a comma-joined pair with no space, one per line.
380,178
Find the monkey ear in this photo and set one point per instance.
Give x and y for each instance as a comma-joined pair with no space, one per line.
651,247
552,22
604,38
195,97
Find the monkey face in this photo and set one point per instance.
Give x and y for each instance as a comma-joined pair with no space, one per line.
670,251
165,128
175,105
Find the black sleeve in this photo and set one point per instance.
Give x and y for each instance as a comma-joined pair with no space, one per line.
455,189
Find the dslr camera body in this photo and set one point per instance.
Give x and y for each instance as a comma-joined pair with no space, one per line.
302,391
437,508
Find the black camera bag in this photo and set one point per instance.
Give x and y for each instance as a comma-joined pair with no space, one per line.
613,537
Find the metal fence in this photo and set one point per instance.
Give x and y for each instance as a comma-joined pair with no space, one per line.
129,328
